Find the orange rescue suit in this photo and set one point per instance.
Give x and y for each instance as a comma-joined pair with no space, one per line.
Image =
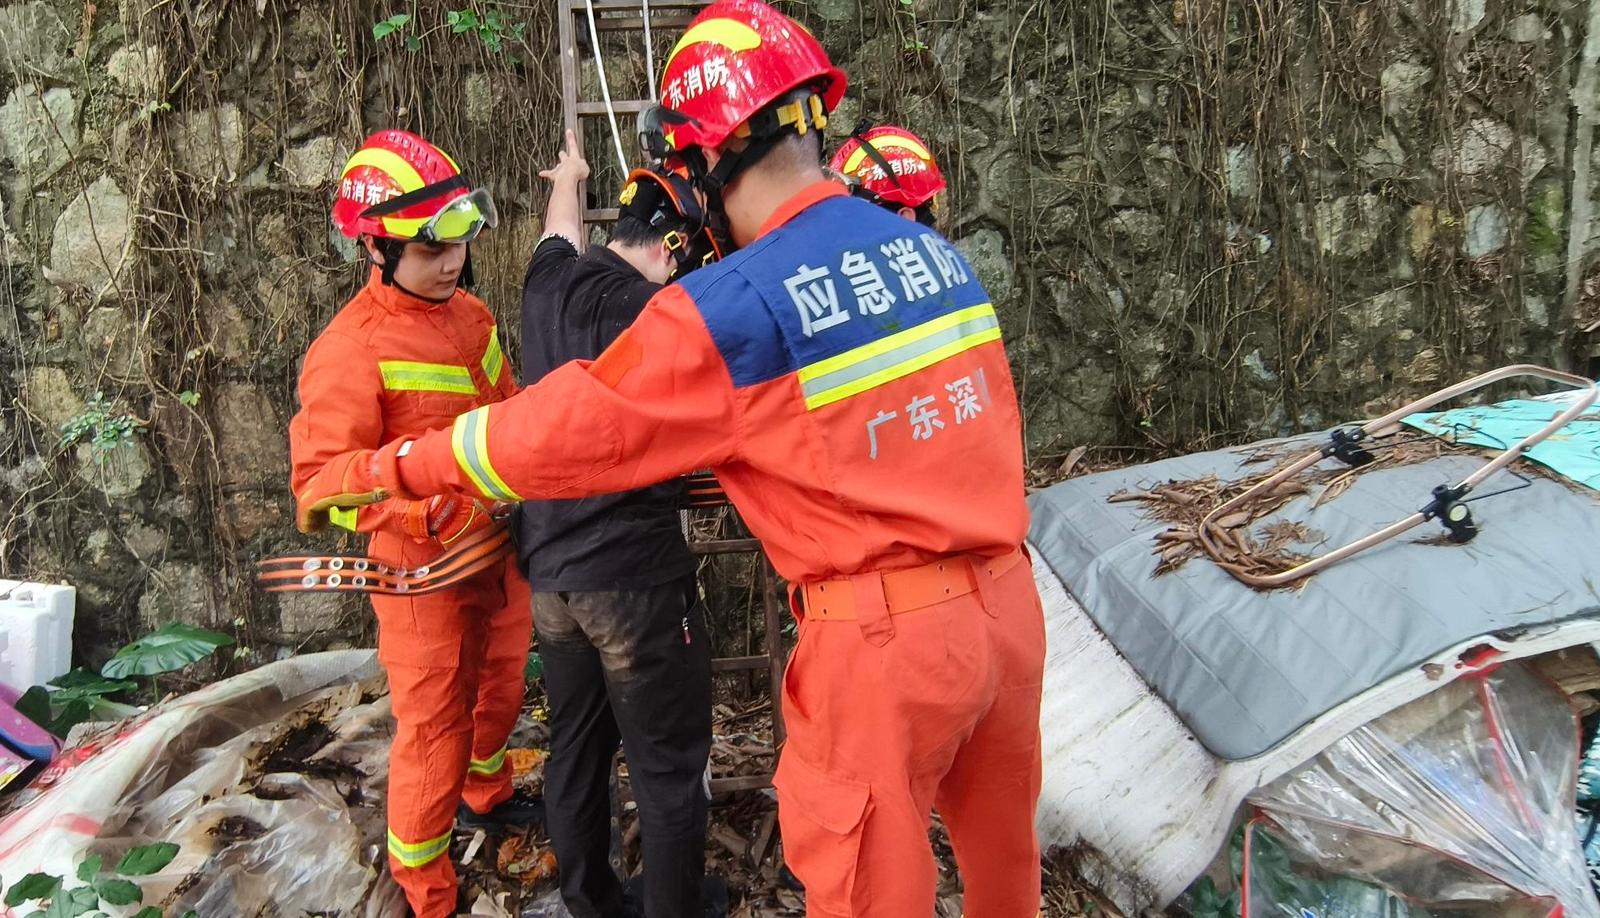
391,366
844,377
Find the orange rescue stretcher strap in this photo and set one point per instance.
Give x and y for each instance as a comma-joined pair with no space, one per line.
907,590
324,573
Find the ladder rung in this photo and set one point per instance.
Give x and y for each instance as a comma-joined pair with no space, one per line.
604,213
735,664
729,785
599,5
668,21
624,107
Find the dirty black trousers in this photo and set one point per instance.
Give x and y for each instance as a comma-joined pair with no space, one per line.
634,666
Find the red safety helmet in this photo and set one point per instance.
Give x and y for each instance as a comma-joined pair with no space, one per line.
891,163
399,186
736,58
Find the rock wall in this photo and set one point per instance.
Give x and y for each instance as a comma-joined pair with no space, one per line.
1201,222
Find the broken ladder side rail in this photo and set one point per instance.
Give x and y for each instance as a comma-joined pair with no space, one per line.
1447,504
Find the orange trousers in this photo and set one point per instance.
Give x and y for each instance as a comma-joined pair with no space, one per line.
893,716
455,662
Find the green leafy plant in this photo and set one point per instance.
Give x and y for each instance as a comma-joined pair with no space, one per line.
167,649
534,668
76,697
81,695
105,428
99,888
189,397
385,27
492,28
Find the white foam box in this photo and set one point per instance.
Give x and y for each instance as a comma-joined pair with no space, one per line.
35,632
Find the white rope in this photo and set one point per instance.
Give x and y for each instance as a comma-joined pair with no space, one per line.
605,90
649,52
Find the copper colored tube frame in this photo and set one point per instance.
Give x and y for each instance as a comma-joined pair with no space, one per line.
1382,427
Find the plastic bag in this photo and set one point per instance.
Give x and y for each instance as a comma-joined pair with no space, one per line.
1460,798
271,783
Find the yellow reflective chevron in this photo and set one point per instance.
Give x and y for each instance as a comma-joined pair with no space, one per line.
729,33
901,354
470,438
884,143
389,163
344,519
411,376
415,855
493,360
489,766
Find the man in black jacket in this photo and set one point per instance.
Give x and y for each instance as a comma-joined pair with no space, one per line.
615,599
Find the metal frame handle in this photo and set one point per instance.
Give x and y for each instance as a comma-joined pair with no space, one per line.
1445,497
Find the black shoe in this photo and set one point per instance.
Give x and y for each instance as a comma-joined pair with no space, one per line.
788,880
517,812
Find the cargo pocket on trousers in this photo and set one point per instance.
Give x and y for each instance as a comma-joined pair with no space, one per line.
822,818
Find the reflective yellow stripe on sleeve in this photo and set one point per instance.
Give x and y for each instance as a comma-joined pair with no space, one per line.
493,360
882,361
470,439
344,519
415,855
411,376
489,766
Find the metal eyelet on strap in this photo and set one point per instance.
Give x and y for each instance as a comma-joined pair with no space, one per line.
402,587
337,564
360,565
334,580
309,580
422,571
358,580
311,564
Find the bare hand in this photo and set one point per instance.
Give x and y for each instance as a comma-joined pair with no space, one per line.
572,167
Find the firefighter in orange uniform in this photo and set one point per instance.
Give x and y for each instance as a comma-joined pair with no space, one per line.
408,353
843,374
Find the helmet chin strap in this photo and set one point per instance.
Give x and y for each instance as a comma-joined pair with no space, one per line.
763,132
392,251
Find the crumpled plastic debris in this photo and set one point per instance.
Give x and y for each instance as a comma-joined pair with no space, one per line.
1459,802
271,783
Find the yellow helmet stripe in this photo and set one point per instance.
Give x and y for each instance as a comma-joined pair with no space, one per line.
853,161
729,33
389,163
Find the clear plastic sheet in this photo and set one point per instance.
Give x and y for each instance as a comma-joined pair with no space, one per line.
270,782
1377,878
1458,799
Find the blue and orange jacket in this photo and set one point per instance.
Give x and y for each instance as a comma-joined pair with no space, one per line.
843,375
392,366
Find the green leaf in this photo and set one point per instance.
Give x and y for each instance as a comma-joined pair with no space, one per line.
32,886
90,867
381,30
35,705
119,892
413,43
189,397
72,903
149,911
191,913
167,649
534,667
147,859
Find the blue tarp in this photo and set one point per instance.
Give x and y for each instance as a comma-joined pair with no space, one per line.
1573,451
